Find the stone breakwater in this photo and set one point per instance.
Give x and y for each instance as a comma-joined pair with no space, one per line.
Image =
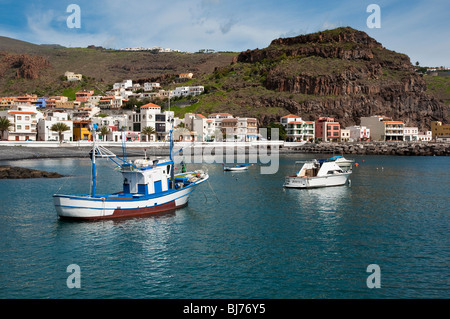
374,148
10,172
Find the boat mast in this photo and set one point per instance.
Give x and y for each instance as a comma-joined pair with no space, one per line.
94,150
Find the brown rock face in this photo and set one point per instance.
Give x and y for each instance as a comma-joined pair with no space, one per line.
28,66
345,74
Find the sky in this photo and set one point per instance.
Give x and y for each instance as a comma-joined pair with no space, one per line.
418,28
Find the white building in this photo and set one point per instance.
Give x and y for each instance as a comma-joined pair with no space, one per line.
425,136
94,99
85,113
151,115
203,127
115,123
150,86
111,102
289,118
247,129
182,91
24,120
45,124
298,130
359,133
126,84
71,76
410,134
218,118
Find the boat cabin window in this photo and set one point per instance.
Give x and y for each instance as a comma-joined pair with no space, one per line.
334,172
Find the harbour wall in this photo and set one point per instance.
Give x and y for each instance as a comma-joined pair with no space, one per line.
374,148
32,150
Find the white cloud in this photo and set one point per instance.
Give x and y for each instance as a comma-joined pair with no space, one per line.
417,30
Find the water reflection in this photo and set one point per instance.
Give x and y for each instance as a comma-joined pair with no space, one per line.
321,200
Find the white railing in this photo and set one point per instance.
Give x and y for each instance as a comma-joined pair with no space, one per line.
147,144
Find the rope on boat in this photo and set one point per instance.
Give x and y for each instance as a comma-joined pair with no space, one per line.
213,190
65,179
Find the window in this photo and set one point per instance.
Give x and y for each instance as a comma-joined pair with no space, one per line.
19,118
19,127
160,117
27,127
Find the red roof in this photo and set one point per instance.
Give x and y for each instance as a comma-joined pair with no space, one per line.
21,112
150,105
292,116
202,116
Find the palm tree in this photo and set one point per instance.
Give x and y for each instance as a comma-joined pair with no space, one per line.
104,131
4,125
60,128
147,131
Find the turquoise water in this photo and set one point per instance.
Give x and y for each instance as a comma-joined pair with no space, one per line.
242,236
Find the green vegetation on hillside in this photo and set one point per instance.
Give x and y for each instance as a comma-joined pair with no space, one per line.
439,86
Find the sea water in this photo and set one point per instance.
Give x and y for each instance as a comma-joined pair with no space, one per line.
241,236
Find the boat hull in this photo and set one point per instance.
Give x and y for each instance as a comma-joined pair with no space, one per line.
235,168
85,207
316,182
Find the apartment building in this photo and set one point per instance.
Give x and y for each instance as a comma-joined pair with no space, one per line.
440,131
247,129
203,127
298,130
83,96
23,119
45,124
383,128
327,129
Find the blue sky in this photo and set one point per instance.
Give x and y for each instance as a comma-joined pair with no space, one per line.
420,29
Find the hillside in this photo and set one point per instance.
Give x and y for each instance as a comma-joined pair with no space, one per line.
100,67
342,73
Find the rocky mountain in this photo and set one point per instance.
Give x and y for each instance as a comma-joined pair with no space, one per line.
342,73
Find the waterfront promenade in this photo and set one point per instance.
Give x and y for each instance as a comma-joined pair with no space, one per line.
29,150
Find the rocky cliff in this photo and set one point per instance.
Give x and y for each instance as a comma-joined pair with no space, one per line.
346,74
26,66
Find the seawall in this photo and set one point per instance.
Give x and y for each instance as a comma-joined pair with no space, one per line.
374,148
19,152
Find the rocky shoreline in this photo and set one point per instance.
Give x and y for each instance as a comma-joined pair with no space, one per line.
374,148
11,172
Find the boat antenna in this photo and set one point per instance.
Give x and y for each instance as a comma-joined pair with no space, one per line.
124,152
172,171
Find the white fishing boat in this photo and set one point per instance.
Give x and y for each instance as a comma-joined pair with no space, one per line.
241,167
149,186
342,162
317,173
